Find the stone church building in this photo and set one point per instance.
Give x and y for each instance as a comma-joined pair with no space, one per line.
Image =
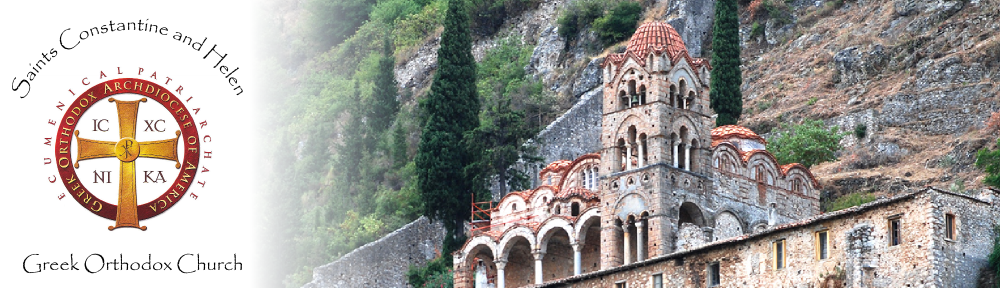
671,202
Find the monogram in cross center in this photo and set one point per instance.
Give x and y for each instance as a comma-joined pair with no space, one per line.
127,150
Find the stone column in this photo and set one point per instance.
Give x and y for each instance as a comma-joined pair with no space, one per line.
687,159
628,157
642,150
538,265
576,258
676,162
640,253
625,255
501,264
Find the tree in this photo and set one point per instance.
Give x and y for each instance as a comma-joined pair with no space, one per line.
503,129
808,143
355,139
450,110
619,23
989,160
384,104
727,100
499,141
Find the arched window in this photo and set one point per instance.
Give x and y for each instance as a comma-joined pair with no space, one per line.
513,207
558,209
682,103
693,154
690,100
623,154
575,209
593,178
642,95
673,96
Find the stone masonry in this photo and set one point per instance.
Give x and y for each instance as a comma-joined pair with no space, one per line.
377,264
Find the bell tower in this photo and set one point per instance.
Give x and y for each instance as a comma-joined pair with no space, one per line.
655,138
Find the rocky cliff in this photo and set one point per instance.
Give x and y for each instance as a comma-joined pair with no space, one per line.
918,76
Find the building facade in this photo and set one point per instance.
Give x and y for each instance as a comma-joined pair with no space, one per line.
668,195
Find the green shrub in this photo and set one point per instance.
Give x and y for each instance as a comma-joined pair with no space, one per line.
958,186
388,11
994,258
812,101
410,31
430,273
860,131
756,30
778,11
808,143
578,15
619,23
488,15
989,160
850,200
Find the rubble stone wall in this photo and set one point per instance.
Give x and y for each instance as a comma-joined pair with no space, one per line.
384,263
860,253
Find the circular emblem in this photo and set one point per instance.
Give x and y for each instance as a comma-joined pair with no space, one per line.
116,140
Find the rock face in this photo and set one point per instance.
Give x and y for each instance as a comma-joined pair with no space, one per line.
575,133
919,76
384,263
693,20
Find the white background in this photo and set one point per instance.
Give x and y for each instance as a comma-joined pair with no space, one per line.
216,225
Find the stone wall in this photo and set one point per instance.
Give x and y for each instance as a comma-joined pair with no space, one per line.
384,263
575,133
860,253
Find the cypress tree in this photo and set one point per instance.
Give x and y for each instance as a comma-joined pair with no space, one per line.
450,109
384,106
727,100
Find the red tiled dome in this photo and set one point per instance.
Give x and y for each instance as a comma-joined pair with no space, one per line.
725,132
557,166
657,36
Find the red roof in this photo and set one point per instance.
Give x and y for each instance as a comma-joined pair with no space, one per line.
658,36
558,166
722,133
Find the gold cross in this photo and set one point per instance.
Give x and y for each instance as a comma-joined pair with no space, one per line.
127,150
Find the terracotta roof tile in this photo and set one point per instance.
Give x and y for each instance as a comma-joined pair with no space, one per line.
725,132
658,36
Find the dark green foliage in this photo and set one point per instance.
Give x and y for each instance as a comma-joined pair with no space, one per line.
488,15
388,11
399,146
450,110
727,100
994,258
419,276
778,11
756,30
808,143
335,20
619,23
503,129
989,160
578,15
860,131
849,200
384,106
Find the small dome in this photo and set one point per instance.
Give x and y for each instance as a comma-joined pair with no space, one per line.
556,167
742,137
656,36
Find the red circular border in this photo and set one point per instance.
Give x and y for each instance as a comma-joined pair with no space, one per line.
189,131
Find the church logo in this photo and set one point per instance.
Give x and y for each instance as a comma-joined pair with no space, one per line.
136,130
